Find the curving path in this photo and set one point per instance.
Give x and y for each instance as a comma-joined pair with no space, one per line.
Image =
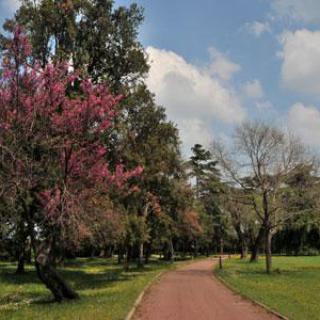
193,293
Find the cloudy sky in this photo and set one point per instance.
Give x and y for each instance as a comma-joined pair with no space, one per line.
216,63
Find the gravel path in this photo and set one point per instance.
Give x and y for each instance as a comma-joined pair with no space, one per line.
193,293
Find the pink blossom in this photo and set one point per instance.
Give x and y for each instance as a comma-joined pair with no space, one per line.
58,146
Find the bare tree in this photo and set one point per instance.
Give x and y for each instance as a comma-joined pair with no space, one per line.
259,162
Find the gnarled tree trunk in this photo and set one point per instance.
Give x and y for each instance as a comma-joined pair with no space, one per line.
52,279
43,263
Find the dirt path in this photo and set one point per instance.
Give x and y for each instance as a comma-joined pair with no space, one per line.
193,293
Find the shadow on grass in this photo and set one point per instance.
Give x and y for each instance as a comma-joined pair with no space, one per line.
82,275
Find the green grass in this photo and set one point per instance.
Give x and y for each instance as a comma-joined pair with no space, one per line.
292,289
107,292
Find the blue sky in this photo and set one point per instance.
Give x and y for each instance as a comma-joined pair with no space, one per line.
216,63
274,44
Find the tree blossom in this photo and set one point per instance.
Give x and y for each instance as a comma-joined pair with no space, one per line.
53,127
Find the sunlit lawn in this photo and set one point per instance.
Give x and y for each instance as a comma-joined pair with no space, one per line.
106,291
292,289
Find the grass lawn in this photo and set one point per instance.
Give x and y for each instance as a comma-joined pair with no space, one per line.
292,289
107,293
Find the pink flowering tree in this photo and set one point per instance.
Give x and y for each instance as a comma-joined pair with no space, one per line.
53,130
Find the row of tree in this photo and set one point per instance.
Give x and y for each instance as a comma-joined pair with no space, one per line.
90,165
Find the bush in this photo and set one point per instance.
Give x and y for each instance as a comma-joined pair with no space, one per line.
307,251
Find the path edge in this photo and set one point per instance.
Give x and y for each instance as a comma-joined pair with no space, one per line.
268,309
142,294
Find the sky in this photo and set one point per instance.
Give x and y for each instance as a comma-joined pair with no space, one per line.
216,63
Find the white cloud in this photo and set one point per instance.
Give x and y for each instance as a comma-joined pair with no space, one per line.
306,11
305,122
194,131
257,28
193,97
221,66
301,64
253,89
264,105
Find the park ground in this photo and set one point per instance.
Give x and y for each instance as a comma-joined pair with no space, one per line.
292,289
107,292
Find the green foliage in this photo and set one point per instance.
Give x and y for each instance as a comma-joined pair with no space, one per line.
136,230
98,38
145,137
307,251
209,190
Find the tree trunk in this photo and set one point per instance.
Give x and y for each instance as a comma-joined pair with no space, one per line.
221,252
106,252
110,252
242,245
46,273
21,260
243,248
52,280
147,253
195,252
93,252
171,250
268,239
120,254
184,251
254,253
24,255
221,247
255,246
141,257
126,260
28,251
22,239
141,245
